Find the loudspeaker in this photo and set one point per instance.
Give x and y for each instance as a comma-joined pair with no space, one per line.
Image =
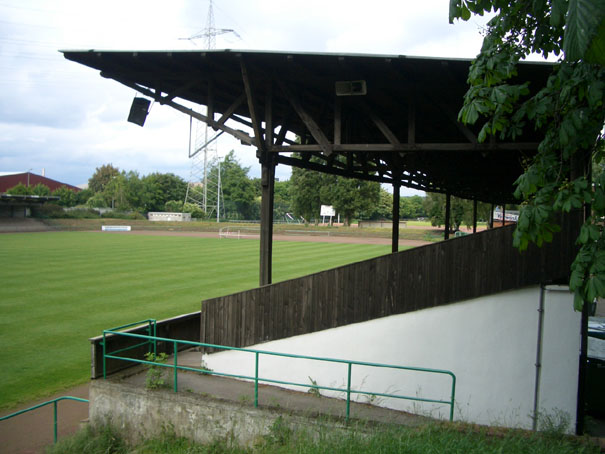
351,88
138,111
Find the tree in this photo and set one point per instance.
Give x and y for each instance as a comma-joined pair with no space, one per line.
305,187
82,196
411,207
384,208
238,189
67,197
41,190
96,201
461,211
19,189
134,191
349,196
159,188
569,109
102,177
114,193
282,199
434,205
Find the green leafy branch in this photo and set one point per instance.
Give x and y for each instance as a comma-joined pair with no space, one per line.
568,111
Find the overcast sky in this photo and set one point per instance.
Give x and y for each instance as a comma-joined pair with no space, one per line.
64,118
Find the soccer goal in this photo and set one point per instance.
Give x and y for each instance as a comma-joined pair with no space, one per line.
239,232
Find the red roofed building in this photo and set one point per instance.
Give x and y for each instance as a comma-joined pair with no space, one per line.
9,180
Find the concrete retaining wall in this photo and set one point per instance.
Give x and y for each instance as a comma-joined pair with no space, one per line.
138,413
380,224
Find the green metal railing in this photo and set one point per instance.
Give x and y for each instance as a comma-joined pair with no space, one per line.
152,340
54,402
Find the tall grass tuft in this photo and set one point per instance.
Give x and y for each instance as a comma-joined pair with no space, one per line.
283,438
102,440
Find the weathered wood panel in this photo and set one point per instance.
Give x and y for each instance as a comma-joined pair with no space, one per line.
454,270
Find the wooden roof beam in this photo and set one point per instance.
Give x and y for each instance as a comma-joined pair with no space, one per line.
405,147
232,108
256,126
381,125
308,120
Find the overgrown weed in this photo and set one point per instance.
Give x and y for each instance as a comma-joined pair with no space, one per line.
286,437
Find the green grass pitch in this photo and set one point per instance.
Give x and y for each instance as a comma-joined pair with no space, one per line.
58,289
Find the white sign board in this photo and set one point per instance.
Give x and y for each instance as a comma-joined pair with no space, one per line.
115,228
327,210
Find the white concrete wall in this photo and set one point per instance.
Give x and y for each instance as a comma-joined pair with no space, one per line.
490,344
168,216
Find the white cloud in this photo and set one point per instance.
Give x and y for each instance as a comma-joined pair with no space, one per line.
62,116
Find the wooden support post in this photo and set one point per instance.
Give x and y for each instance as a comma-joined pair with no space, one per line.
396,197
268,161
266,217
475,216
448,200
503,215
491,217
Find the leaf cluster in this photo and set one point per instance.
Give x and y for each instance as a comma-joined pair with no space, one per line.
568,112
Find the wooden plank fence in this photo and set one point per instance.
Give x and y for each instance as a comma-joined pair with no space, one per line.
433,275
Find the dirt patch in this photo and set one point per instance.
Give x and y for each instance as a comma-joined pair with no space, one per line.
30,432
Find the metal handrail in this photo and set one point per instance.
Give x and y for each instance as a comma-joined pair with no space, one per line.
54,402
152,340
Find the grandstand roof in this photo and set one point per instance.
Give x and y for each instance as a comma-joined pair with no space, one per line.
386,118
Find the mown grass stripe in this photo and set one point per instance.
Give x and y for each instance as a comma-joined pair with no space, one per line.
58,289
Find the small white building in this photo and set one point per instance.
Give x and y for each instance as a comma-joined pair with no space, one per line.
168,216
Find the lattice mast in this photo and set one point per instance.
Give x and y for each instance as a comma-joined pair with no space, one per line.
209,198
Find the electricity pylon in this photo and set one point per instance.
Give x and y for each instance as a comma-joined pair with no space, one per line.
203,188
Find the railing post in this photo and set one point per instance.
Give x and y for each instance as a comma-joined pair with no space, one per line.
155,342
55,420
104,365
349,390
176,370
453,397
149,333
256,382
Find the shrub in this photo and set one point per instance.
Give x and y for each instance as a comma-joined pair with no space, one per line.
174,206
48,210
